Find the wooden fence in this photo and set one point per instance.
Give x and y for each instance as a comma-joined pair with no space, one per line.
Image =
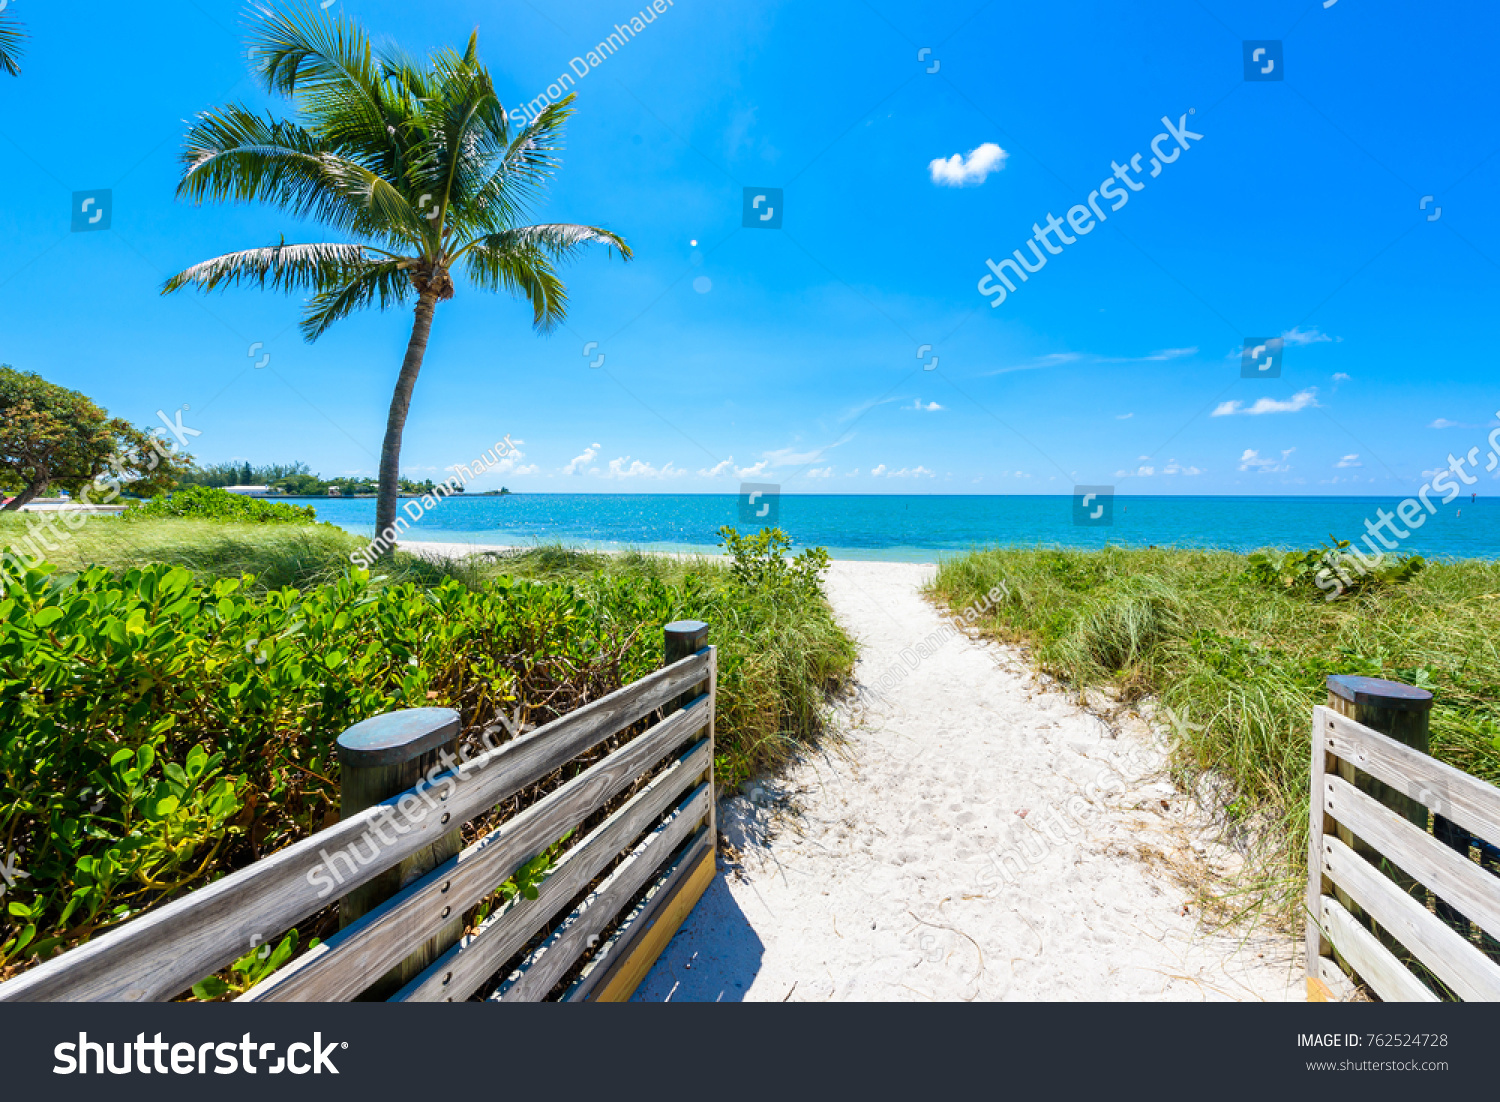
1374,860
405,882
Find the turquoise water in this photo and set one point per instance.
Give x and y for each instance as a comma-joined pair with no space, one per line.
920,528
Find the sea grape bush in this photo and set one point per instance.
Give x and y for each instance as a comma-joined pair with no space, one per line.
212,503
158,732
1329,572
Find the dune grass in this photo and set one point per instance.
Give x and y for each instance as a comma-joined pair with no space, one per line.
1241,664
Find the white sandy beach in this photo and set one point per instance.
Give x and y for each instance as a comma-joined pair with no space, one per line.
943,848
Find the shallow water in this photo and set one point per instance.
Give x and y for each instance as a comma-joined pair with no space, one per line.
918,528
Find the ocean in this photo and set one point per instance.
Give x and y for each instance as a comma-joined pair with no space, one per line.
920,528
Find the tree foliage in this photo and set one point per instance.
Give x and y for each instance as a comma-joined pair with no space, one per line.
51,436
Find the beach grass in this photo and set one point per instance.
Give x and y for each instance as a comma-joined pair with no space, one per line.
1241,665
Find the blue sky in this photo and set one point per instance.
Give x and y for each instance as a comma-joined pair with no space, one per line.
791,355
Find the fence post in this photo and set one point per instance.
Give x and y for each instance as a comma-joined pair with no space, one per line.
381,757
683,638
1401,712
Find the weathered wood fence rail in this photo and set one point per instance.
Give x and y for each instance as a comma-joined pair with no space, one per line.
1373,860
404,882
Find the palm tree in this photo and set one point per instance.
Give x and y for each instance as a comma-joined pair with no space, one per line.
11,37
417,162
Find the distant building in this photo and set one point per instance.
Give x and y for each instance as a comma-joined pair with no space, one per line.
334,491
249,491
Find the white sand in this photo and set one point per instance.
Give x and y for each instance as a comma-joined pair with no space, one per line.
869,872
872,870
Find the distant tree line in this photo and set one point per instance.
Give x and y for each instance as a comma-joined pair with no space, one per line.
293,479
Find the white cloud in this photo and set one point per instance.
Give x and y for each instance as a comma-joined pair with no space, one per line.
1252,460
527,468
1444,423
1299,401
752,471
910,472
820,472
1123,416
959,171
1296,335
878,471
723,467
1349,461
579,462
639,469
1173,467
854,473
1340,377
930,407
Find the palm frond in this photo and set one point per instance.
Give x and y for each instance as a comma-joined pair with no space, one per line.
11,39
283,267
329,68
384,285
529,160
235,155
557,240
525,273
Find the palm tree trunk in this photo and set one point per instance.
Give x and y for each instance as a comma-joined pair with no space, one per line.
390,451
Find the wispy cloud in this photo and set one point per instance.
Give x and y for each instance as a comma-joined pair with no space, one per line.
960,171
1252,460
1123,416
1351,460
1058,359
930,407
1444,423
864,407
1301,400
1297,335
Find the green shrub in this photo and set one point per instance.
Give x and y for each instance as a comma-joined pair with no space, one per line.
759,563
158,730
211,503
1329,572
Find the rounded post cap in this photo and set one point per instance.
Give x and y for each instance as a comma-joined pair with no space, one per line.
393,738
695,630
1385,694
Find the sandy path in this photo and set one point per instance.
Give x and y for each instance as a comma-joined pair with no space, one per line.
873,870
